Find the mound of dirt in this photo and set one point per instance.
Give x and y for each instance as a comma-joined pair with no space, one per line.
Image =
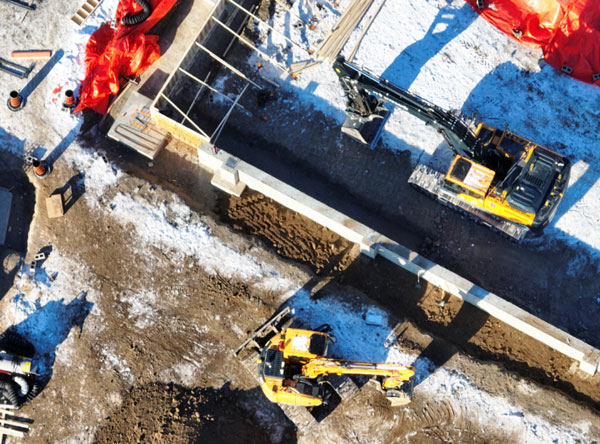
171,414
293,235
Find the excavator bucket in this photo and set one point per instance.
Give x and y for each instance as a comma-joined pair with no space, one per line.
397,396
402,395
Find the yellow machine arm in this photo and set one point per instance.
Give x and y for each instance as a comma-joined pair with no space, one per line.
394,375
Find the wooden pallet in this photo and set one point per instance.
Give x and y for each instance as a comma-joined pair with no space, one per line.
341,32
11,425
84,11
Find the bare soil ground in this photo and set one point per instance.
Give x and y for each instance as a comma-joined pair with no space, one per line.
200,318
456,321
167,374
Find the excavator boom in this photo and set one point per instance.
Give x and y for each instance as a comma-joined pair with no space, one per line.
327,366
359,85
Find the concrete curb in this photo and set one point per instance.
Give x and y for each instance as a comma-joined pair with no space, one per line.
233,175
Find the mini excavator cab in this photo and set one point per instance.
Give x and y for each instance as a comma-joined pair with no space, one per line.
280,364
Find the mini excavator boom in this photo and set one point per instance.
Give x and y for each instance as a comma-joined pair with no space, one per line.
507,182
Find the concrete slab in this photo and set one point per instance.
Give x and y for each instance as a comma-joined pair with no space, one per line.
134,127
54,206
5,204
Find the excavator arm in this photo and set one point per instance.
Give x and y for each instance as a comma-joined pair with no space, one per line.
366,93
392,376
325,366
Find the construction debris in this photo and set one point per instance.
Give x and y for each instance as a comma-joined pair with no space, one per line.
15,69
23,5
298,67
339,35
54,206
364,31
33,54
11,425
135,128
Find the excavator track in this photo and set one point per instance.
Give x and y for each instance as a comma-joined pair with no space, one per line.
429,181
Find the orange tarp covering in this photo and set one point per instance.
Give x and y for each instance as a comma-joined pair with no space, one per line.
568,31
126,50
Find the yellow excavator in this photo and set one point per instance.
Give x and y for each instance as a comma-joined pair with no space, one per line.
294,371
504,181
293,365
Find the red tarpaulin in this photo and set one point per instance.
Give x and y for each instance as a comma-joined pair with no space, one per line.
568,31
125,50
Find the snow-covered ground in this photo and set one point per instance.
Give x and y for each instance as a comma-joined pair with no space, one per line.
444,52
439,50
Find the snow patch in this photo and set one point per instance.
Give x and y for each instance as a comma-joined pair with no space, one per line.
171,226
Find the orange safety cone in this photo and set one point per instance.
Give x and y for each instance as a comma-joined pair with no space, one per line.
41,168
15,101
70,102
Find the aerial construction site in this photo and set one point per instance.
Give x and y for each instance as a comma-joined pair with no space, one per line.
299,221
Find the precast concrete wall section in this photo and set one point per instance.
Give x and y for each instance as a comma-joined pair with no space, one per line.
174,106
233,175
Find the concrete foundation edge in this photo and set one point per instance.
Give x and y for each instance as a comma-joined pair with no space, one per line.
373,244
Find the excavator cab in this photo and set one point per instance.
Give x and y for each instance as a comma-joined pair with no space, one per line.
470,178
280,367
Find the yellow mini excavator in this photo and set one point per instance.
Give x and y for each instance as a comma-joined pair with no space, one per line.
293,366
294,371
506,182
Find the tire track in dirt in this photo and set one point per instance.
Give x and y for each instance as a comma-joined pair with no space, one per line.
291,234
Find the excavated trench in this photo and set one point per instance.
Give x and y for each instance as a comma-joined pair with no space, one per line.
337,261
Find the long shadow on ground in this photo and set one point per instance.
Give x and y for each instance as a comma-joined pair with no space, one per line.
48,325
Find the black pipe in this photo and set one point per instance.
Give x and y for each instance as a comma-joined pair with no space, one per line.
136,19
33,392
21,4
